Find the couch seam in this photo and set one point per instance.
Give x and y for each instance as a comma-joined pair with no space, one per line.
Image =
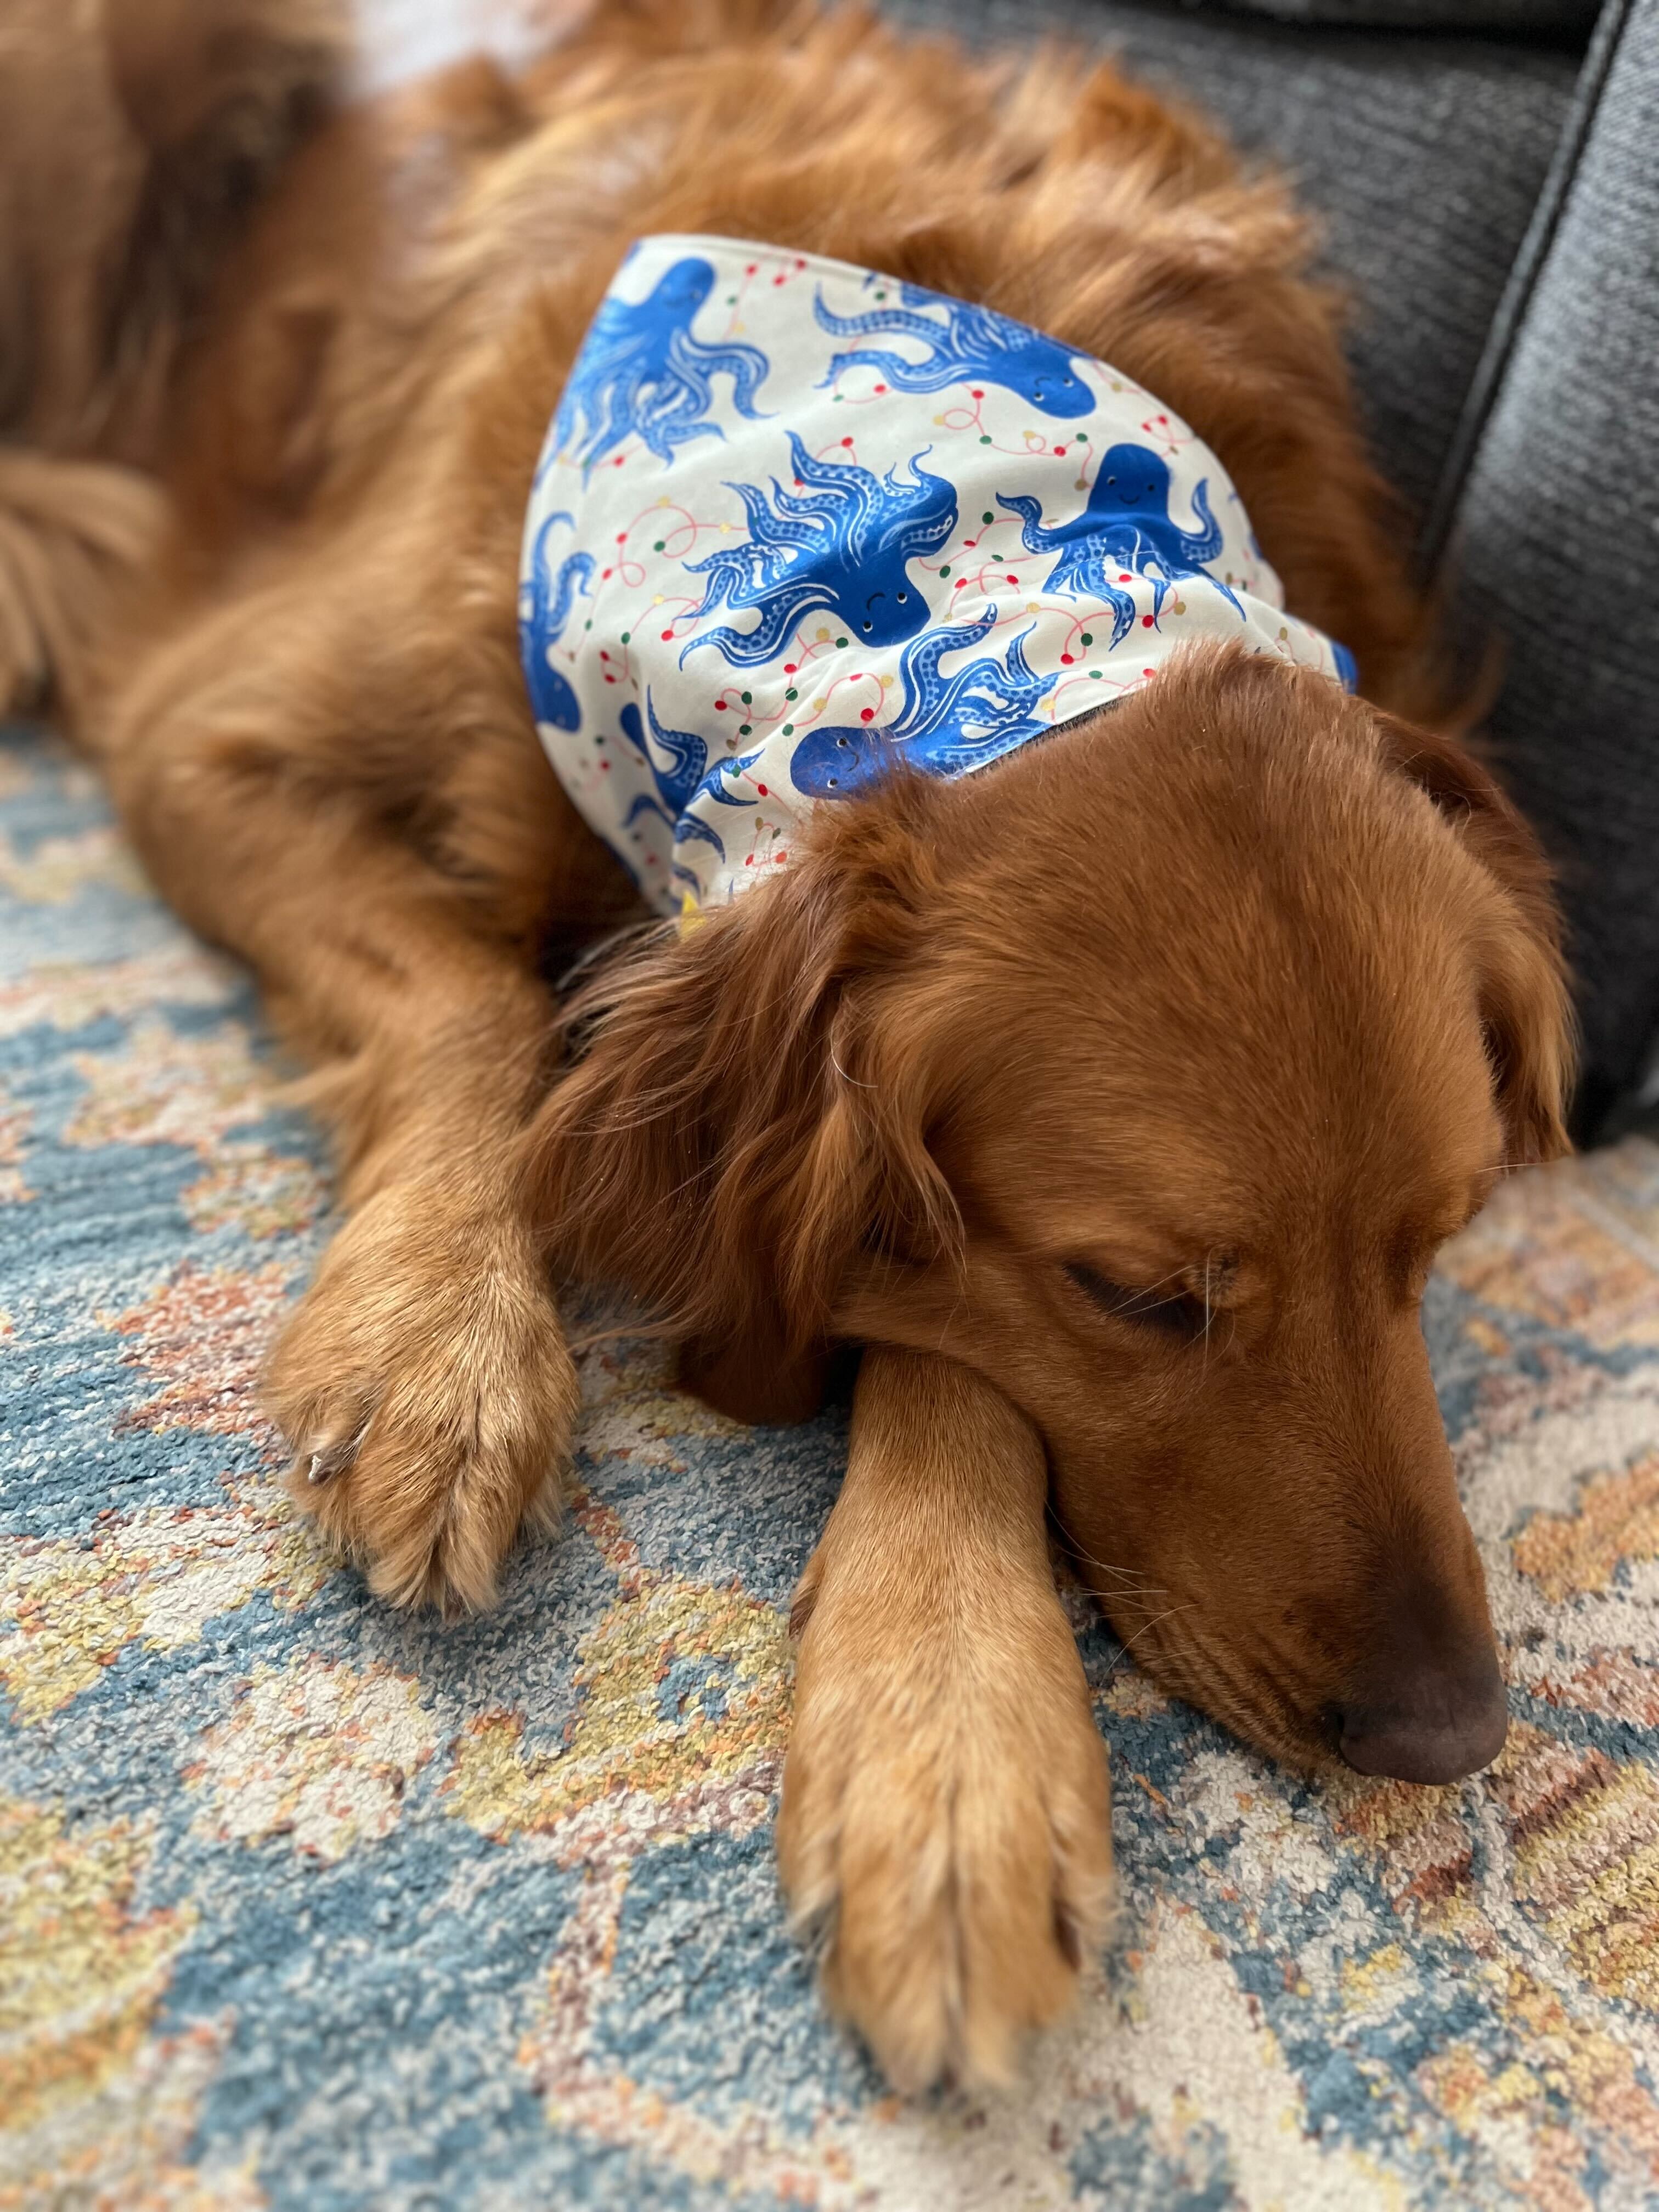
1515,302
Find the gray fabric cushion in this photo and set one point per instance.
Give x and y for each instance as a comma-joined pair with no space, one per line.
1423,155
1558,539
1569,20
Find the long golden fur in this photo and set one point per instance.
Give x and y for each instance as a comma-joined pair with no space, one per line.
135,136
1116,1097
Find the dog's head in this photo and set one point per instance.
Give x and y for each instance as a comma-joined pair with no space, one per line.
1145,1072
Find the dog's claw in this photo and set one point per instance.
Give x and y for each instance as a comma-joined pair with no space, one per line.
333,1460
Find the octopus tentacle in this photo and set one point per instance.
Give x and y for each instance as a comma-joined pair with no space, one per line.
543,610
878,318
744,649
1034,534
681,828
1203,545
919,669
685,749
971,341
733,765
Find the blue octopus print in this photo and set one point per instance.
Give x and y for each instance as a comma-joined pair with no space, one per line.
843,544
972,343
544,603
744,518
948,725
640,372
687,776
1125,528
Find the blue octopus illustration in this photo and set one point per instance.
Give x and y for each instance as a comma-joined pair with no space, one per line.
641,371
948,725
1126,527
544,602
686,777
842,545
971,344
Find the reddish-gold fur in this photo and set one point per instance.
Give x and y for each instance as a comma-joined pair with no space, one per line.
134,135
1248,989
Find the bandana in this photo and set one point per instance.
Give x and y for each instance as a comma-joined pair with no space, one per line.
795,521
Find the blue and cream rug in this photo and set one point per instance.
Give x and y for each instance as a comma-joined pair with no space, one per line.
304,1903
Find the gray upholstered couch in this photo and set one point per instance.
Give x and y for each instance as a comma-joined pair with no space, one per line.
1488,171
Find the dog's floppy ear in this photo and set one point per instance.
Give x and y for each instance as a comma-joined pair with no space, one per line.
1524,1001
750,1108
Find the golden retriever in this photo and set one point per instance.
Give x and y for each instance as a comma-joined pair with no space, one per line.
1116,1098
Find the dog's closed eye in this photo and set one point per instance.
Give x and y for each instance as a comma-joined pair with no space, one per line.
1180,1315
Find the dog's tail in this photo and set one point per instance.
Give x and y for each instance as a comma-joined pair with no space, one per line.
72,535
135,139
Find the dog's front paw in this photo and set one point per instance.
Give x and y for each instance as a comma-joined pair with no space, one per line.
426,1388
945,1832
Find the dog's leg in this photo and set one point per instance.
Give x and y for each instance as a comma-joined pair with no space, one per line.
945,1819
423,1382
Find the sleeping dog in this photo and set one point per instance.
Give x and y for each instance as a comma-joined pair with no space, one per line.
878,545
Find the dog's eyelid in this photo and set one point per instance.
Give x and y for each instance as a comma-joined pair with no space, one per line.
1172,1312
1411,1257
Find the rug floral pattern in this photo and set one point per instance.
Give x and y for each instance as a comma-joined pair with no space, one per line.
306,1903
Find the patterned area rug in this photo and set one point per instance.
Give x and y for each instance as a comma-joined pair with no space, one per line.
305,1904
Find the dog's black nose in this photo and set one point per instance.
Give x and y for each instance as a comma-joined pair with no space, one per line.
1431,1706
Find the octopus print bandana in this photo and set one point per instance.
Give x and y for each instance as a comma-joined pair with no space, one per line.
795,521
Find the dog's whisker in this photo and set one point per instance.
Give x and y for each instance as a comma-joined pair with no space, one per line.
1147,1626
1088,1559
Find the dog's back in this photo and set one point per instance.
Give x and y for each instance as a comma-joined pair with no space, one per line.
133,137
